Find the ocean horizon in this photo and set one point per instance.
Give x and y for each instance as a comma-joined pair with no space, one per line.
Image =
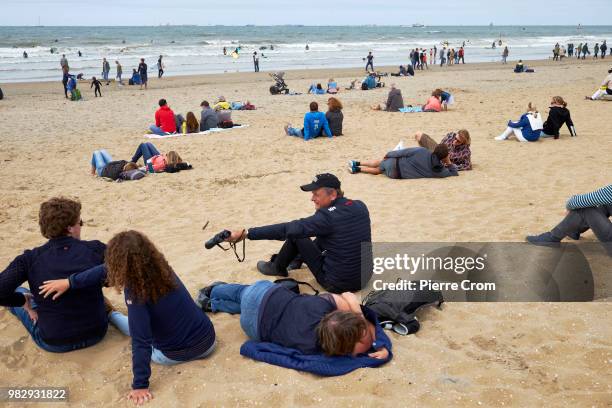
197,49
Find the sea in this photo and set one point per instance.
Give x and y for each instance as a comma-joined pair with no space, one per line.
199,49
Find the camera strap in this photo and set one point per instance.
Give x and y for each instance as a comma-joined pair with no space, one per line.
233,247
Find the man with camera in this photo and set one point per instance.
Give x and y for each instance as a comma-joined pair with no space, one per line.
339,226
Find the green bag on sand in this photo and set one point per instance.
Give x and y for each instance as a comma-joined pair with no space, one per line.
76,95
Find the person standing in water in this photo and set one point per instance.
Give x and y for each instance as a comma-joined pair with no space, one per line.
256,61
64,64
160,67
505,55
25,54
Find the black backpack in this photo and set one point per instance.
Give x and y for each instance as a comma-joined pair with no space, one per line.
396,309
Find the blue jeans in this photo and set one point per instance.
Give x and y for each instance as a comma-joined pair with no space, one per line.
244,299
157,130
146,151
291,131
105,75
32,328
100,159
121,321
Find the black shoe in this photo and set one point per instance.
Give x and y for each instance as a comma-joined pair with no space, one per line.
203,300
270,269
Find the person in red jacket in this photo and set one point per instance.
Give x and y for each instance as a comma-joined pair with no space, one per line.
165,121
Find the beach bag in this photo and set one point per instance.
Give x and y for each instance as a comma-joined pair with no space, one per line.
364,86
396,309
294,285
75,95
226,124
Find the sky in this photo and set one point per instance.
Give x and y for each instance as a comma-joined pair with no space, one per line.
306,12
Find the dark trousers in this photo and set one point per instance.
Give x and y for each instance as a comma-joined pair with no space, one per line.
256,66
160,72
307,251
583,219
97,91
65,82
370,64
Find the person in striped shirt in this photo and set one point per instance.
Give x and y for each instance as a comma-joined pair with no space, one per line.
584,211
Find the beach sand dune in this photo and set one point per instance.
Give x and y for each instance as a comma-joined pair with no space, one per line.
504,354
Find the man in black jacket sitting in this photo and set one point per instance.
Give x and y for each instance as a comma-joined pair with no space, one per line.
339,226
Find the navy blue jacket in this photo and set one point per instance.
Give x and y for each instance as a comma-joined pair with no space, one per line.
340,230
75,316
319,364
175,325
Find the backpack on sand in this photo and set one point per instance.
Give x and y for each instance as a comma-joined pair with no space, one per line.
396,309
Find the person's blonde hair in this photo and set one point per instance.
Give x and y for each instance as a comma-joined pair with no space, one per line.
532,108
173,158
130,166
466,136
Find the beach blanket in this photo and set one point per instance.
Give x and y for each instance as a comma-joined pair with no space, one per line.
206,132
411,109
319,364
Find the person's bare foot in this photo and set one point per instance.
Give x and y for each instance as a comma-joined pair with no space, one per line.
418,135
286,127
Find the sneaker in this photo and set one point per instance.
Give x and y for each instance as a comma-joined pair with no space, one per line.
353,168
203,299
268,268
500,137
294,265
546,239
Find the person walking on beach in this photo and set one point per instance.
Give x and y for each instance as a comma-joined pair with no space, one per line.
435,55
585,50
370,62
105,70
596,51
96,83
119,72
160,67
603,49
256,61
461,54
442,54
505,55
142,70
64,64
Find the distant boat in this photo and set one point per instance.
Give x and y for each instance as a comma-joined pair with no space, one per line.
418,25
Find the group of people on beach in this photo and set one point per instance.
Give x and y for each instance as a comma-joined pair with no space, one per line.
139,77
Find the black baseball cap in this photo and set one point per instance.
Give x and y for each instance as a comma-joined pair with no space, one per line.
322,180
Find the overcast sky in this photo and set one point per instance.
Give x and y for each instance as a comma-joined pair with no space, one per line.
307,12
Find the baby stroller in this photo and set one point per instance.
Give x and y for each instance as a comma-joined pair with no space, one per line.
280,86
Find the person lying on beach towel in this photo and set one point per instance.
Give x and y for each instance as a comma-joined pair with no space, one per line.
315,125
165,324
102,165
604,89
81,319
584,211
305,332
394,102
410,163
458,144
527,129
155,162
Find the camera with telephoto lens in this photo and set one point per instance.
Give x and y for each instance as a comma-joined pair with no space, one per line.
217,239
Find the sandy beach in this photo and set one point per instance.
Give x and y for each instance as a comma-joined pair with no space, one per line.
472,355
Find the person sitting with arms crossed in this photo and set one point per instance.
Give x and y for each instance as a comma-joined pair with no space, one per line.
339,226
